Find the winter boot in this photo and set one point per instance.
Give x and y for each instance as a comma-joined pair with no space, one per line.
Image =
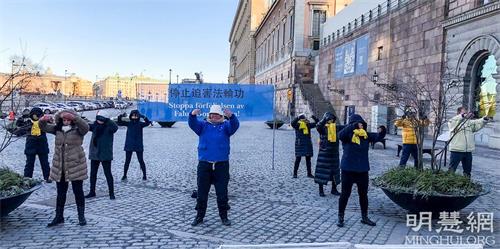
81,215
340,221
223,217
334,190
321,191
295,170
59,218
365,220
90,194
199,218
124,178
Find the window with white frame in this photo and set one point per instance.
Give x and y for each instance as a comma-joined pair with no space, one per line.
319,17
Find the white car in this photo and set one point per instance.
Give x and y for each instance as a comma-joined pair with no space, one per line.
46,108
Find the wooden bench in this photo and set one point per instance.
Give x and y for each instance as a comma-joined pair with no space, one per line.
381,141
424,151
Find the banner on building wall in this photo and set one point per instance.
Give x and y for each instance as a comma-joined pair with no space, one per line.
362,54
339,62
248,102
349,58
352,58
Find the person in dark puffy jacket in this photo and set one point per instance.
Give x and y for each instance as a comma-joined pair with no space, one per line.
133,140
355,165
303,143
101,151
213,156
36,143
328,163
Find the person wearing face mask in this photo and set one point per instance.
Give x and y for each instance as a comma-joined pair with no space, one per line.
36,143
134,140
213,156
355,165
101,151
303,143
69,163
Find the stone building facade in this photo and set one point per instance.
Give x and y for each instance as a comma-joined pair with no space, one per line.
242,43
287,40
472,38
396,39
131,87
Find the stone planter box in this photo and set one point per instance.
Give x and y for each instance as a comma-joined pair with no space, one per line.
9,204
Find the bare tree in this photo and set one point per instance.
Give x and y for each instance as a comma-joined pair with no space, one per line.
424,97
11,87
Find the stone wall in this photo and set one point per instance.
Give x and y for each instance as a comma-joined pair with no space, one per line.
411,41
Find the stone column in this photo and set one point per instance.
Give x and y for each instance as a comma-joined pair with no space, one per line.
494,139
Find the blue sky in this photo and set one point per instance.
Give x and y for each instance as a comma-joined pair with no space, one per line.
103,37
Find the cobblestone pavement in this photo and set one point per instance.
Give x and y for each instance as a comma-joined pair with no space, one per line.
267,205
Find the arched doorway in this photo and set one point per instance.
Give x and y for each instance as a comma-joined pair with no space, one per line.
479,85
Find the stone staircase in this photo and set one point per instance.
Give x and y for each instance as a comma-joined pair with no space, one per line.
314,97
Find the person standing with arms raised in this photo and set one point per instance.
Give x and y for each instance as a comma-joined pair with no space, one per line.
213,156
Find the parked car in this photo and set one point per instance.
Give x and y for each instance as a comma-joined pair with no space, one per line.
121,105
76,105
47,108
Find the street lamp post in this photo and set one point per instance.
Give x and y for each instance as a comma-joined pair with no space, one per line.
64,85
169,76
177,79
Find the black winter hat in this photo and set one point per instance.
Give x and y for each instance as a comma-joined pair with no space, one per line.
36,111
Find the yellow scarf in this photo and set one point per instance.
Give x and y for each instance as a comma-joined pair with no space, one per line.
359,133
35,129
332,132
303,127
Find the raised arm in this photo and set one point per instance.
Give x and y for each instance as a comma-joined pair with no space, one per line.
232,125
345,135
46,126
83,126
120,121
195,124
316,120
146,122
295,123
478,124
112,126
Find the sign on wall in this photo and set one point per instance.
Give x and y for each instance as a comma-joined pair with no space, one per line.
248,102
352,58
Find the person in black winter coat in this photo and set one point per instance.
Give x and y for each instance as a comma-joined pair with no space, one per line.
327,164
36,143
133,140
355,165
101,151
303,143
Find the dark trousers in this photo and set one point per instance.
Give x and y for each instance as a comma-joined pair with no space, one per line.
297,164
465,158
218,175
30,165
361,180
62,189
140,157
409,149
94,167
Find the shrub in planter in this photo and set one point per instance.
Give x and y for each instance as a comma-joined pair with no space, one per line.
14,190
427,190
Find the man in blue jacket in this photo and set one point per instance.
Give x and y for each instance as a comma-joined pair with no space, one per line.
355,165
213,156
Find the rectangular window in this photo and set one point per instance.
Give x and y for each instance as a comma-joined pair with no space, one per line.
278,38
284,31
380,50
291,26
319,17
329,69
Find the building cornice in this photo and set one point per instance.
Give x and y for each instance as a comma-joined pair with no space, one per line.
268,14
236,17
472,14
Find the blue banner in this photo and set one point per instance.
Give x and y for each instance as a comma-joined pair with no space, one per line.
339,62
248,102
362,55
349,58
